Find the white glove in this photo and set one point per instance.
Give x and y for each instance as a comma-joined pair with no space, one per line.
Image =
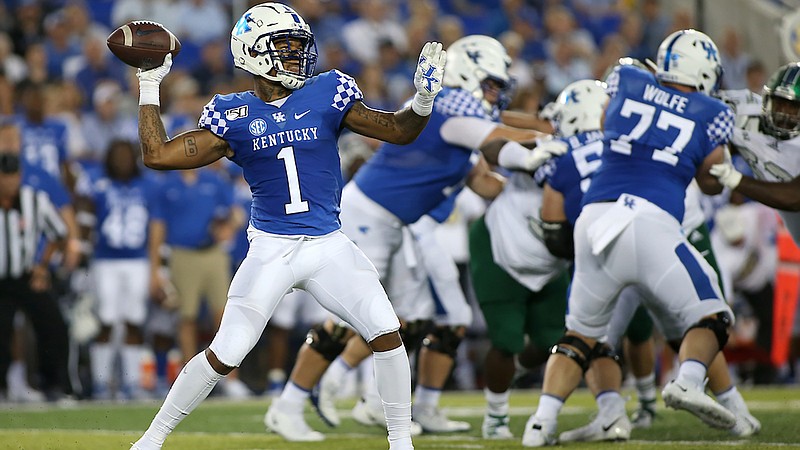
428,77
726,173
543,151
149,80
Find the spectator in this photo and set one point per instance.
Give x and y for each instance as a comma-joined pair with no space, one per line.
94,65
363,35
735,60
164,12
106,123
655,27
201,21
36,60
26,27
11,64
756,75
520,70
44,139
59,43
214,65
449,29
565,66
632,32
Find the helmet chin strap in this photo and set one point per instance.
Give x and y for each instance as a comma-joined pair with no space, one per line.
290,82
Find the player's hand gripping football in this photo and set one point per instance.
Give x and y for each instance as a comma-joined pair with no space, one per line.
428,77
149,81
726,173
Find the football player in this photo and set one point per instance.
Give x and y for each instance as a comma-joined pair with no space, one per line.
121,201
568,177
769,143
402,183
284,135
660,131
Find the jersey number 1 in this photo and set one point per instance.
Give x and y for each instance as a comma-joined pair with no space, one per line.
296,203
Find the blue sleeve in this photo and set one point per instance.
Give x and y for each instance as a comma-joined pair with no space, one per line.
558,167
212,119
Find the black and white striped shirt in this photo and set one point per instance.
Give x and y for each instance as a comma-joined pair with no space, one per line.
21,229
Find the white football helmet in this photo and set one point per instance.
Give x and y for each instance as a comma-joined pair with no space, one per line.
475,59
691,58
253,41
580,107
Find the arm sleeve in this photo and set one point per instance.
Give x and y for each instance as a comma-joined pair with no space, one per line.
211,119
467,132
720,128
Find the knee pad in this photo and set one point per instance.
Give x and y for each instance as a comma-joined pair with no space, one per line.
719,325
582,358
412,333
603,350
446,341
329,345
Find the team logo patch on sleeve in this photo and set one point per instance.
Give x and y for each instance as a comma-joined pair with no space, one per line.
236,113
258,127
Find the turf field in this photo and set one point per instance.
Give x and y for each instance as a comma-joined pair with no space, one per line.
222,424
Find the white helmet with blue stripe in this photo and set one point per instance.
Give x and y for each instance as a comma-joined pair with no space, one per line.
253,47
690,58
579,107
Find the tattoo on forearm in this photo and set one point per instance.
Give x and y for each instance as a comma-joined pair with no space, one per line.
190,146
151,130
377,117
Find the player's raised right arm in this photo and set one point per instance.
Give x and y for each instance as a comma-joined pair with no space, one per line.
189,150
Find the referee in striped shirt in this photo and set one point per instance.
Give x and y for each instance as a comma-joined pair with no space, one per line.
26,216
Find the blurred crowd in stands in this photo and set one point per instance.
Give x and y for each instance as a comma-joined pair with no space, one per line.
76,104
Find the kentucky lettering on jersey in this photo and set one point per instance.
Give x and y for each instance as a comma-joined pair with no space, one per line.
411,180
288,151
655,138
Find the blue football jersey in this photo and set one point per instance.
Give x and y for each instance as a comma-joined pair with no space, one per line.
655,138
44,145
410,180
288,151
123,211
570,174
41,180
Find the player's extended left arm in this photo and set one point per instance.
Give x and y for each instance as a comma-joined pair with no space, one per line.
527,156
188,150
779,195
403,127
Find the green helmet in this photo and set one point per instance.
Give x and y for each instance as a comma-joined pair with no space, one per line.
782,102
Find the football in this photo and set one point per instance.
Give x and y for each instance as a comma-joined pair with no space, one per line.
143,44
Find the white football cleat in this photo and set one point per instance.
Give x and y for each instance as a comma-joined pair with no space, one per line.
292,427
600,429
433,420
322,399
367,415
644,415
538,433
496,427
691,399
746,425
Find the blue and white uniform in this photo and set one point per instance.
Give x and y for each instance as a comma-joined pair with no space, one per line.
402,183
44,145
629,230
571,175
288,152
120,268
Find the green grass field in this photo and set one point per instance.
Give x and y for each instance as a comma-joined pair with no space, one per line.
222,424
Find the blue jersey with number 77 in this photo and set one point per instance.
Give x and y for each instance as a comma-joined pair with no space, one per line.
288,151
655,138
